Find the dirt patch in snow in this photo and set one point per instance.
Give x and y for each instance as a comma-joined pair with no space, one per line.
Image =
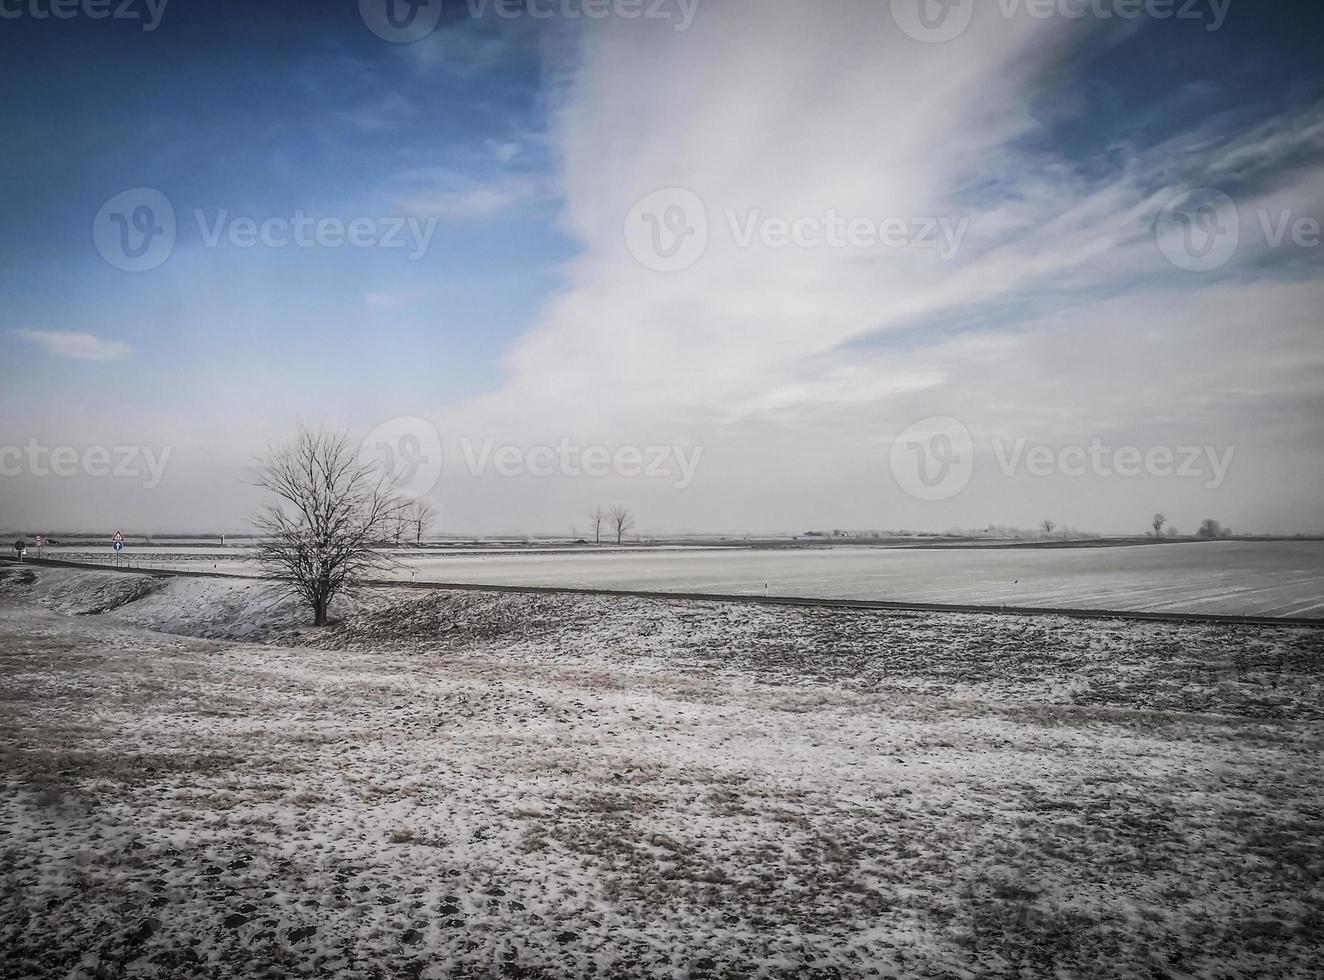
16,580
95,595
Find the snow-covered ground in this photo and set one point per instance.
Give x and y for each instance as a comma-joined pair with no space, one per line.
195,784
1247,578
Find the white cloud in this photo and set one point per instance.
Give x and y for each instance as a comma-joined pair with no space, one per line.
775,357
79,346
466,49
1057,320
453,197
503,151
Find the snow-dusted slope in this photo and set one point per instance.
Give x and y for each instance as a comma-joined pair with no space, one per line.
485,784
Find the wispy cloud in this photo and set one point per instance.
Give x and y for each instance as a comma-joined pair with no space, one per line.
806,110
390,112
75,345
453,197
377,300
469,48
503,151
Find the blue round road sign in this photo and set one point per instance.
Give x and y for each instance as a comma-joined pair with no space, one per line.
118,546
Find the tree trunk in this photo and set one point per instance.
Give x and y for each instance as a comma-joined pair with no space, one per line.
319,612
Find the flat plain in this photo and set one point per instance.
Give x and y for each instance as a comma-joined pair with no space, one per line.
478,784
1273,578
1247,578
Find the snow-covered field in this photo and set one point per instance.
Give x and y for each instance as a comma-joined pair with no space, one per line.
547,786
1254,578
1251,578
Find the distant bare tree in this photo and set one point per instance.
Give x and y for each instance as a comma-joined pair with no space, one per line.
1157,522
596,518
622,521
1047,527
1210,528
421,515
331,509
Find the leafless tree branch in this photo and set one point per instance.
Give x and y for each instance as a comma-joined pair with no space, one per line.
331,509
622,521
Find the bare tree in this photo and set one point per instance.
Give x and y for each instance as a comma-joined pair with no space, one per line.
421,514
1047,527
1157,522
622,521
596,518
331,509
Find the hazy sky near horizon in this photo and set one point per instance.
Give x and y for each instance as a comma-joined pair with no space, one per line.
1028,263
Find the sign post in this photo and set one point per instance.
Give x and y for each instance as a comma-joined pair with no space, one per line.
39,542
20,546
117,542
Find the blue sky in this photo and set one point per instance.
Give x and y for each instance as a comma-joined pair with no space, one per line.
527,321
264,109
